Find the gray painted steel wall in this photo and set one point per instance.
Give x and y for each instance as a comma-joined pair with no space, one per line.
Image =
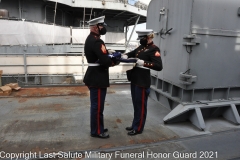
216,25
201,54
31,10
40,11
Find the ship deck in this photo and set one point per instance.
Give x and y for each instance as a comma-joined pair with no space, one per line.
56,119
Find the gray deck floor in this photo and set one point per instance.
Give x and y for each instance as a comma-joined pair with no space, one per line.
61,123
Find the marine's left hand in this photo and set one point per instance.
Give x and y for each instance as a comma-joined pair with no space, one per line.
140,62
110,51
124,56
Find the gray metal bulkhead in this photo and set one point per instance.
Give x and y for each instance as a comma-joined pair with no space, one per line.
200,49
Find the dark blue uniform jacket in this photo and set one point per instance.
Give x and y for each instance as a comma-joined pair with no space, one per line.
95,50
151,56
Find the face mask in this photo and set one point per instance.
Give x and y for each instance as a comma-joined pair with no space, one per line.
102,31
143,41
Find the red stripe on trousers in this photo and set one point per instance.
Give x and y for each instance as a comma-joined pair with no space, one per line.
143,98
98,114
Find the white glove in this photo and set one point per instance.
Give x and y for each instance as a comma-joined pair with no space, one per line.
124,56
110,51
140,62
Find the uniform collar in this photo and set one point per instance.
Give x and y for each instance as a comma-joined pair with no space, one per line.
148,44
95,34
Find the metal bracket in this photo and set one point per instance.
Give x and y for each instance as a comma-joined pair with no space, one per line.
196,118
191,40
231,114
193,112
162,11
187,79
163,32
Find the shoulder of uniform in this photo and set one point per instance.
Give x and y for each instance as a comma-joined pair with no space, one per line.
154,46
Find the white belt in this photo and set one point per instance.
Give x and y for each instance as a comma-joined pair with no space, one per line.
93,64
143,67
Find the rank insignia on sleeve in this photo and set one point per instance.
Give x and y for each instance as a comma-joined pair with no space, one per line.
103,48
157,54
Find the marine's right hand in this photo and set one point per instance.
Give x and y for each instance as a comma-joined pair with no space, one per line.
124,56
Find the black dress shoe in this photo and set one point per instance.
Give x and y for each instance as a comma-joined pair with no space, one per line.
133,133
129,128
102,135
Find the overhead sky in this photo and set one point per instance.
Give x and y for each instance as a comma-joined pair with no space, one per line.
133,1
139,26
145,1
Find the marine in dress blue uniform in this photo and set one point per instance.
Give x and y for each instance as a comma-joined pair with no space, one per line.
148,57
97,75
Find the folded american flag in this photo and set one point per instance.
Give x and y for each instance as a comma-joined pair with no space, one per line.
117,57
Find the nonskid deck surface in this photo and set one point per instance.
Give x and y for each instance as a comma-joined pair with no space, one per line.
45,121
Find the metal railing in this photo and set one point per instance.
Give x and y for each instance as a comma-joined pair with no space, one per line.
56,69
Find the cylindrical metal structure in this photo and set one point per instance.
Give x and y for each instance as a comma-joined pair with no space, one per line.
4,13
